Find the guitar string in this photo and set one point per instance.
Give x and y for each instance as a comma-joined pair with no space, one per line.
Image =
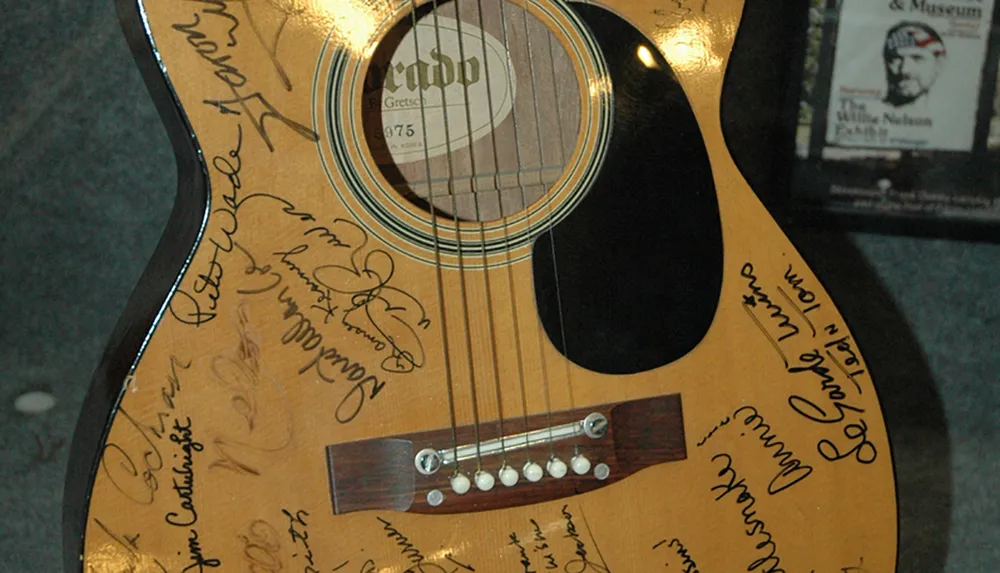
552,240
475,199
482,228
524,202
562,160
503,217
458,243
437,255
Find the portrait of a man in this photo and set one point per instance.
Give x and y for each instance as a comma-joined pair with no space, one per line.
914,55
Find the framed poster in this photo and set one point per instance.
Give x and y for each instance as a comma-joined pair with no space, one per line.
898,118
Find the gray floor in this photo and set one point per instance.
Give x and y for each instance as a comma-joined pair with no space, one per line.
86,182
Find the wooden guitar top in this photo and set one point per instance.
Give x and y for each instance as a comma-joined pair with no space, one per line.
343,287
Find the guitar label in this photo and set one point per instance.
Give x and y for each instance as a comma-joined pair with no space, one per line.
445,87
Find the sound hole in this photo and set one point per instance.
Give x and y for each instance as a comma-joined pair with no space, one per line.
475,110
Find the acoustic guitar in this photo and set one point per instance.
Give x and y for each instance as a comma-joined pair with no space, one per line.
469,285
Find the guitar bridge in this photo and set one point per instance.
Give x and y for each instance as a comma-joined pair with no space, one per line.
429,472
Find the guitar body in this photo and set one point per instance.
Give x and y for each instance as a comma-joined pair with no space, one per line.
469,286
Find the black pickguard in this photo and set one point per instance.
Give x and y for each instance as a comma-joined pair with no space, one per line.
640,260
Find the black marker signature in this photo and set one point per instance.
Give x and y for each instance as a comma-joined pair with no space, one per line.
541,544
755,297
186,307
859,568
863,450
792,470
220,8
712,433
803,295
688,562
181,435
241,103
324,300
209,281
253,269
301,538
346,231
287,9
266,111
197,556
303,334
125,476
415,556
329,364
395,314
837,405
843,347
328,239
812,362
381,313
731,483
168,394
583,563
522,551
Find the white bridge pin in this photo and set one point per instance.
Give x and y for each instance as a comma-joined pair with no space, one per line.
508,476
580,463
533,472
557,468
460,484
485,480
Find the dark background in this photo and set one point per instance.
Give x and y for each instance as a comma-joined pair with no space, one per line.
974,173
87,180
